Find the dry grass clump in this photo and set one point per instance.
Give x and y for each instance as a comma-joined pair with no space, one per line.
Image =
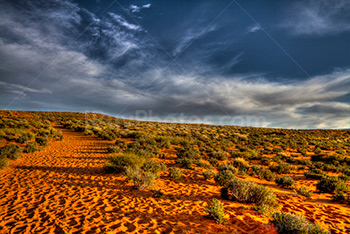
289,223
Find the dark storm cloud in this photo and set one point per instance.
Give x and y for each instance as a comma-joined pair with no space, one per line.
61,55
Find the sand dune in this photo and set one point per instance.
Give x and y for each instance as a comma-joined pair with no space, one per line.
64,190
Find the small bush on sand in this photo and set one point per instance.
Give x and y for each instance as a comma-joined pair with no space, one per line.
216,211
295,224
241,164
11,152
314,174
281,168
175,173
4,162
121,143
185,162
208,175
249,192
154,167
284,181
118,164
304,191
112,149
219,155
330,184
224,177
263,173
141,179
32,147
42,141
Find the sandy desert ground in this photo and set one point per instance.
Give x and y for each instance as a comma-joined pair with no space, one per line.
64,190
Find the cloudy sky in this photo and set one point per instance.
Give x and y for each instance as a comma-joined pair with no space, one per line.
252,63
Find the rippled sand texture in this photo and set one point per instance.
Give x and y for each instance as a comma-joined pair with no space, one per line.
63,190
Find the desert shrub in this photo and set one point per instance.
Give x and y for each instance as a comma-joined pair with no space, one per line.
216,211
304,191
318,151
112,149
314,174
32,147
227,167
219,155
302,151
118,163
254,154
153,167
281,168
248,192
140,178
203,165
263,173
265,161
330,184
188,152
185,162
342,197
241,164
213,161
11,152
25,138
121,143
208,174
175,173
224,177
284,181
4,162
42,141
295,224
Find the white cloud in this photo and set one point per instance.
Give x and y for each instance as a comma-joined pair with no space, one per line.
318,17
192,34
254,28
123,22
137,9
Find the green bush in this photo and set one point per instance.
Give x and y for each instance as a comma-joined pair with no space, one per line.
208,174
249,192
141,179
175,173
32,147
11,152
154,167
241,164
224,177
4,162
121,143
118,164
263,173
314,174
295,224
203,165
304,191
25,138
42,141
216,211
188,152
341,197
330,184
185,162
284,181
281,168
213,161
219,155
112,149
